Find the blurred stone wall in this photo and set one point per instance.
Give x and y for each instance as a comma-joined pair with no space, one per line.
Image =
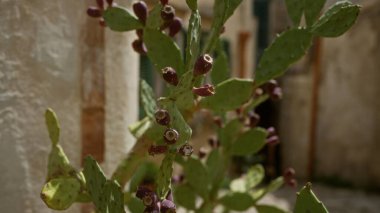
43,62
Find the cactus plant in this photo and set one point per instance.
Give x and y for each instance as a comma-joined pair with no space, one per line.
166,131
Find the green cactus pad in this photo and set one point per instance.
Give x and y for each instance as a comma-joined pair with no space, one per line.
193,39
295,10
114,197
184,195
237,201
249,142
220,70
275,60
253,178
232,93
183,94
230,132
312,10
60,193
197,176
147,99
269,209
59,165
337,20
164,175
215,165
52,126
121,19
308,202
95,181
163,51
154,20
192,4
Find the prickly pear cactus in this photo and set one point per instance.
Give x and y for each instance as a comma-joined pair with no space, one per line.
166,129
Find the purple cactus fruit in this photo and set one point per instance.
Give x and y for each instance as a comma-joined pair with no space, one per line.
205,90
149,199
162,117
271,131
169,196
170,76
100,4
274,140
276,94
167,13
168,206
270,85
164,2
94,12
140,33
156,150
203,65
139,46
141,10
213,142
109,2
289,173
175,26
254,119
292,183
186,150
171,136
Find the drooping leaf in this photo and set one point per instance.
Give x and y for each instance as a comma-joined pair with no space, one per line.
295,10
229,95
95,182
193,39
162,51
312,10
237,201
185,196
154,20
147,99
275,60
197,176
121,19
337,20
192,4
164,175
249,142
60,193
52,126
269,209
308,202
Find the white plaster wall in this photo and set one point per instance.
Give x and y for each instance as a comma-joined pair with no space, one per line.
39,63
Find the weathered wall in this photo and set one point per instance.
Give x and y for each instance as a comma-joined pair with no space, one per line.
40,66
348,111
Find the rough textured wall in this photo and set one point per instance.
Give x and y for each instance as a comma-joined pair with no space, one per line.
40,66
349,119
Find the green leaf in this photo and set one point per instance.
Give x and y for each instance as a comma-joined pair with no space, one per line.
162,51
121,19
60,193
178,123
147,99
249,142
312,10
229,95
185,196
114,197
154,20
135,205
220,71
232,5
308,202
59,165
253,177
230,132
52,126
273,186
275,60
337,20
269,209
193,4
139,128
295,10
237,201
214,164
193,39
95,182
197,176
165,175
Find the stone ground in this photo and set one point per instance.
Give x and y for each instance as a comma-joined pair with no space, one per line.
337,200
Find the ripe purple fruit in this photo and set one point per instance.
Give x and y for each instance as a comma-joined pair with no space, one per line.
289,173
140,33
141,10
156,150
168,206
254,119
175,26
274,140
94,12
276,94
270,85
164,2
186,150
167,13
203,65
139,46
170,76
162,117
171,136
100,3
205,90
271,131
213,142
